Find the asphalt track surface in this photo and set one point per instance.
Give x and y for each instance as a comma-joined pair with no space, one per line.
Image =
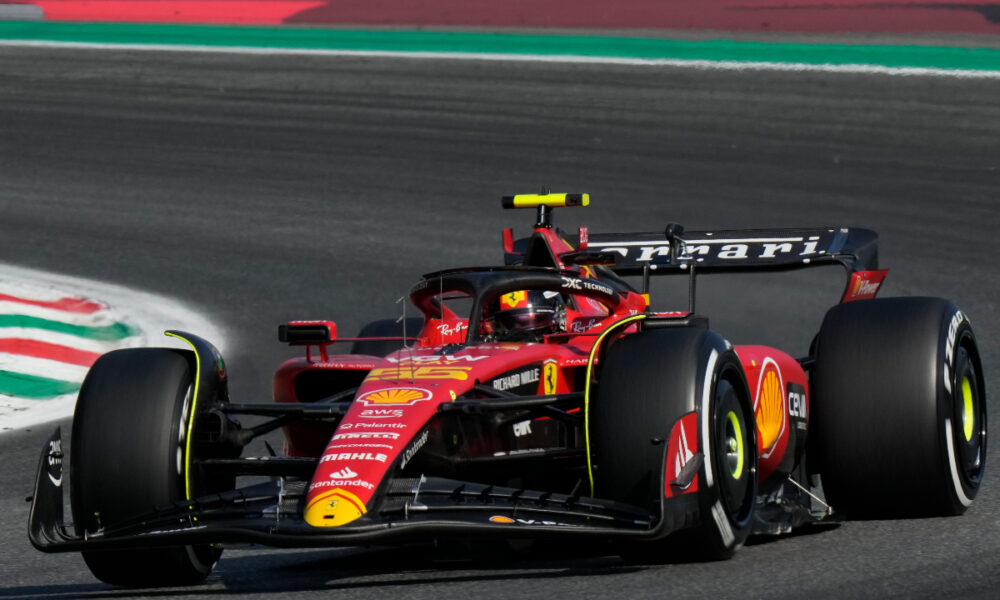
268,188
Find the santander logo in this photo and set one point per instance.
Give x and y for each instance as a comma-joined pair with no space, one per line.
345,473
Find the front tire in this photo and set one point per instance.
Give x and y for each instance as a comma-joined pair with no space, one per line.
127,450
648,382
899,408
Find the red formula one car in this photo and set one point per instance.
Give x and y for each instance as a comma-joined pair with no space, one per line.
543,398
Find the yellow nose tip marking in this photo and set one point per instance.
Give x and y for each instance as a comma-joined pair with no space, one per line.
334,508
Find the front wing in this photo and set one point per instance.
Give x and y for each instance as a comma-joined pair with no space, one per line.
410,508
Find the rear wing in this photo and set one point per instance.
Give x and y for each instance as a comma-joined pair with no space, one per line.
677,250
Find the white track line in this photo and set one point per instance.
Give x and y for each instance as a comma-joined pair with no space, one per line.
150,313
707,65
65,339
99,318
41,367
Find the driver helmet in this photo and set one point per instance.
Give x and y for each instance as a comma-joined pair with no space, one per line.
525,315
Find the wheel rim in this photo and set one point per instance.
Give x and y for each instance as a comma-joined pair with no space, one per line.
969,420
734,445
730,453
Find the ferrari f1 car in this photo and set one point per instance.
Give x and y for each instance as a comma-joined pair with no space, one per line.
539,399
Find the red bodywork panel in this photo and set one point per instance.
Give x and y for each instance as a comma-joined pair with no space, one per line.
863,285
779,388
398,396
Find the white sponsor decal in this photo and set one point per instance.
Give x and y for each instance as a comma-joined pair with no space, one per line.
367,435
949,348
722,523
381,413
435,359
956,320
342,483
345,473
339,446
523,428
344,365
517,379
516,452
55,462
445,329
362,425
520,521
797,403
684,454
413,449
178,530
574,283
725,249
377,456
581,326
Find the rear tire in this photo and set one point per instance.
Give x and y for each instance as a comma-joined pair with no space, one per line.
650,380
898,408
129,434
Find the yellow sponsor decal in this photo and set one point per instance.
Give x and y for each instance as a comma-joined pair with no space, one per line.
334,508
396,396
407,372
550,377
770,411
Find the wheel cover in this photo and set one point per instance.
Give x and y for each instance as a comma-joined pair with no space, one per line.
734,445
969,414
729,450
968,417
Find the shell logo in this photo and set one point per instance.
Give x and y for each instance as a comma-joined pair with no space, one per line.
770,409
401,395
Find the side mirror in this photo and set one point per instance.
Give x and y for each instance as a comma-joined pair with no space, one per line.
301,333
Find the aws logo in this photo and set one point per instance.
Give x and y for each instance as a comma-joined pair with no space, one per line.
769,408
401,395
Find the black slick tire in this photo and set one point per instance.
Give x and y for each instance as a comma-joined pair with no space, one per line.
898,409
126,460
648,381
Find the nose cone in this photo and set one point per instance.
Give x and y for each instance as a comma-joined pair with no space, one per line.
334,508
